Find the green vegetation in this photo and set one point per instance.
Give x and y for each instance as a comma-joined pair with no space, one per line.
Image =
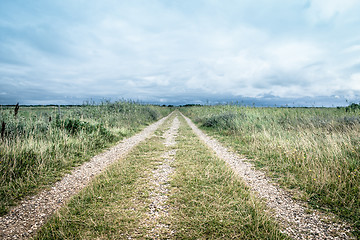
314,152
353,107
39,144
206,199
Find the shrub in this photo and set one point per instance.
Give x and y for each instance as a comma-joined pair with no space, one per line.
352,107
151,113
224,121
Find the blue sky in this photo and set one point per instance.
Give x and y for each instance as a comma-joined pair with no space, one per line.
167,51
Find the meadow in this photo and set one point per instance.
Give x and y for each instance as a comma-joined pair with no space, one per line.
40,144
312,152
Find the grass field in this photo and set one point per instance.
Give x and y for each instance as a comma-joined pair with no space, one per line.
313,152
39,144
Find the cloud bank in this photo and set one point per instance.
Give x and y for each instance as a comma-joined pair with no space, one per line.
158,50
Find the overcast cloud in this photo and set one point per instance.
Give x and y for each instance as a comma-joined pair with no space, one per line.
65,51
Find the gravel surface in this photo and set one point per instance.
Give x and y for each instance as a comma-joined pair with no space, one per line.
159,182
31,214
292,215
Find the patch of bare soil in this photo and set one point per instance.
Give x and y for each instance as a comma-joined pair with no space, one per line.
31,214
293,215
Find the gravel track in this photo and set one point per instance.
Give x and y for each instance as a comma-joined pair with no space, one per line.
292,215
23,220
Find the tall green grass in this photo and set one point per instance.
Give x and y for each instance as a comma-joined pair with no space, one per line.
314,152
39,144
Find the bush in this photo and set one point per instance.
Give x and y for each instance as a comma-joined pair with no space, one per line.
151,113
14,128
74,126
224,121
353,107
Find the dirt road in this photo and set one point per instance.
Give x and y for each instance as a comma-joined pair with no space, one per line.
295,219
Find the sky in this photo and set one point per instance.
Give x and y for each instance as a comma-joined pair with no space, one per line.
180,51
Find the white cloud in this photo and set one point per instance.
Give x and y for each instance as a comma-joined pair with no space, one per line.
352,49
354,82
293,55
325,10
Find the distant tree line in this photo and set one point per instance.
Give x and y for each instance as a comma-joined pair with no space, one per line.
352,107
